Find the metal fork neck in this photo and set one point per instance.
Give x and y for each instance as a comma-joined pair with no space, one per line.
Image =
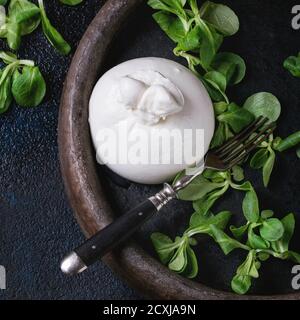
163,197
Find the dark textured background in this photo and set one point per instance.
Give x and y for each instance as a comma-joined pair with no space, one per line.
37,226
36,223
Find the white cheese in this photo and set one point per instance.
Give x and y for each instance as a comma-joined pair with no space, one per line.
144,95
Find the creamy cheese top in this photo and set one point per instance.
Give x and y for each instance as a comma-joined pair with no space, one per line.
149,95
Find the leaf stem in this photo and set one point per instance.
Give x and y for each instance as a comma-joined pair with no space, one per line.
10,68
28,63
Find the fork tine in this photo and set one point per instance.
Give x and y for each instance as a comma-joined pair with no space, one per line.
251,146
230,141
241,137
241,147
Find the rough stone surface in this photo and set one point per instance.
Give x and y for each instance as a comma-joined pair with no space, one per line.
37,226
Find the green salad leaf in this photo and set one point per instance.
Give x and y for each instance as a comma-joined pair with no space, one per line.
226,243
29,87
23,17
265,158
199,188
231,65
171,25
22,10
250,206
164,246
21,80
239,232
272,229
242,281
256,241
264,104
236,118
268,167
241,284
221,17
53,36
216,84
5,89
282,244
292,64
71,2
290,142
231,119
2,17
259,159
201,223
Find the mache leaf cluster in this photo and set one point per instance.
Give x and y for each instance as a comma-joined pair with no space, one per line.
20,80
198,33
19,18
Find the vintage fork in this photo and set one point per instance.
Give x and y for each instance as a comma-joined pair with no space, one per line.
223,158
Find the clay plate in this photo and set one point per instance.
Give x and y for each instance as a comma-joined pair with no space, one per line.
83,183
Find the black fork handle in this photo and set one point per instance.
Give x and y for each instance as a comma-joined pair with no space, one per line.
114,234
